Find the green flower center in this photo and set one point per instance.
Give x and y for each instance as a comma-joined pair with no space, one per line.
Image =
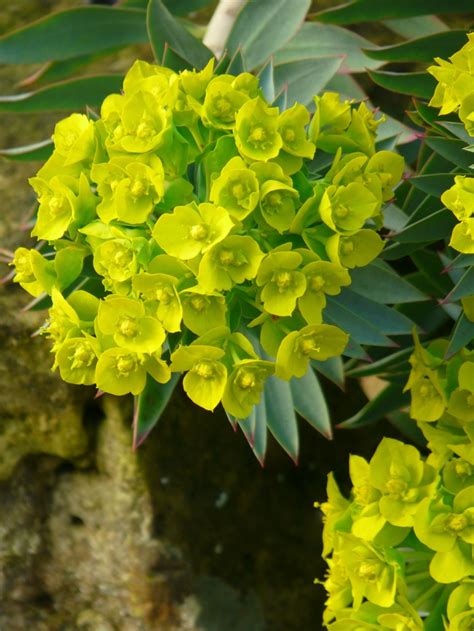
341,212
462,468
198,303
317,282
470,400
396,487
164,295
144,130
283,279
226,257
347,247
223,106
308,345
128,327
122,257
257,135
364,494
274,199
238,191
55,204
138,188
289,135
198,232
69,140
204,369
23,265
456,523
126,364
245,380
83,356
369,570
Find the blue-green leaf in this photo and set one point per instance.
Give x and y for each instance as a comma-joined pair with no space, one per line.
310,403
265,26
423,48
73,32
437,226
464,288
149,406
305,78
390,399
66,95
332,369
452,150
164,30
418,84
281,419
324,40
356,324
462,335
36,151
379,282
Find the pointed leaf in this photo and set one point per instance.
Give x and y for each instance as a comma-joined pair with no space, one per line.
368,10
37,151
434,184
379,282
413,83
416,26
394,362
437,226
66,95
150,405
464,288
73,32
386,319
332,369
462,335
310,403
421,49
164,29
305,78
267,82
452,150
281,419
356,324
390,399
265,26
260,434
324,40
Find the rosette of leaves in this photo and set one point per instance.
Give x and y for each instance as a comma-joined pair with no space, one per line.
188,229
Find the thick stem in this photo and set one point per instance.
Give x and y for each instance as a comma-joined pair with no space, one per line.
221,24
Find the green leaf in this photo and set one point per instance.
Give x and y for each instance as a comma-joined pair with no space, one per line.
458,130
379,282
281,419
265,26
461,261
149,407
432,228
310,403
356,324
390,399
462,335
66,95
418,84
73,32
347,86
260,433
36,151
332,369
408,428
452,150
323,40
421,49
394,362
183,7
304,79
369,11
434,184
267,82
384,318
465,287
247,425
164,30
416,26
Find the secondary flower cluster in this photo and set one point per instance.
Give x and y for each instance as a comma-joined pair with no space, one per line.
455,93
401,543
191,213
